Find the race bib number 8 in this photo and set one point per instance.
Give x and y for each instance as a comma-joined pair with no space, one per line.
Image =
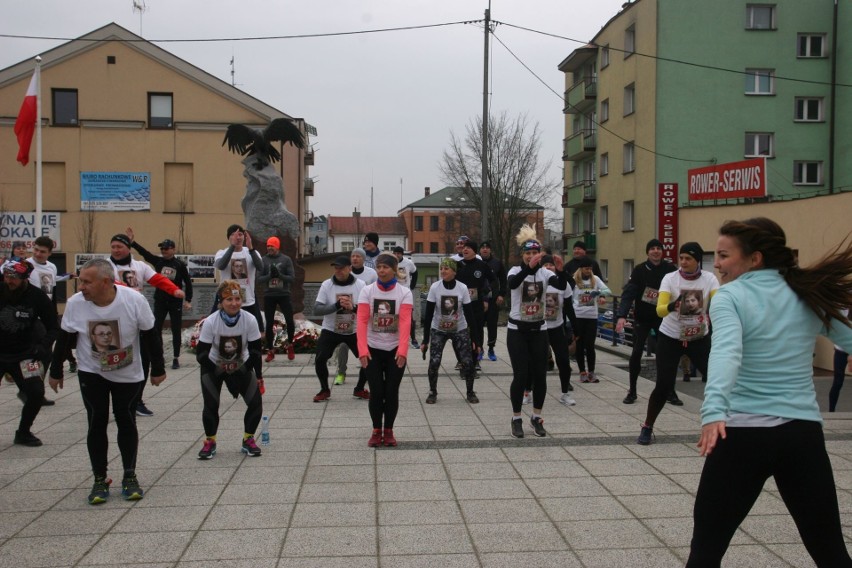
118,359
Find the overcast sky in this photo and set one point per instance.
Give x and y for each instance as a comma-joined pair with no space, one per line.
384,103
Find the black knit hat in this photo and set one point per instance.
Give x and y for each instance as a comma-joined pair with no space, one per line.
580,244
653,243
471,245
122,238
694,250
372,237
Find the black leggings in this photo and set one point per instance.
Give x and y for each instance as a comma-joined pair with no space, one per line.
491,317
528,356
384,377
96,392
641,333
587,330
734,474
840,360
326,345
244,383
669,352
33,391
174,309
254,310
269,305
560,340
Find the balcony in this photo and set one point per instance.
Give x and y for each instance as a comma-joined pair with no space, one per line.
309,219
309,187
591,240
580,145
579,192
582,96
309,157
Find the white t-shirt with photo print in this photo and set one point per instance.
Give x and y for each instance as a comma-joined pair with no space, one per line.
217,333
444,319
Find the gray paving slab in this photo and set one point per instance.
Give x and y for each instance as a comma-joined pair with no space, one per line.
459,491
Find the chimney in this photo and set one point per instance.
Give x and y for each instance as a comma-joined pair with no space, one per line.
356,214
427,191
467,184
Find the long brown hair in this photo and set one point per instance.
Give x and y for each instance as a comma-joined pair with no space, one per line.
826,287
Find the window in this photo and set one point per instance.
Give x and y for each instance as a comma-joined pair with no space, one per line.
629,99
807,173
64,107
433,223
418,223
433,248
760,81
451,223
160,110
759,144
604,164
809,109
626,270
605,56
629,41
347,246
629,158
811,45
760,16
604,217
388,245
604,110
604,264
628,219
418,248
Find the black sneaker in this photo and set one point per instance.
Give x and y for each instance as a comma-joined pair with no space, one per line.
46,402
130,489
100,491
472,398
674,400
517,427
432,398
630,398
72,367
175,363
646,436
250,447
27,439
208,450
142,410
538,426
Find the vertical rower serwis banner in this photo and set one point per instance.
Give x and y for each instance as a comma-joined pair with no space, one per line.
667,208
26,122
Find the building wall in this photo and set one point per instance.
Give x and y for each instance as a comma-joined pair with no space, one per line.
189,155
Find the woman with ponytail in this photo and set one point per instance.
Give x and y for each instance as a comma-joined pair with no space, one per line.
760,416
526,338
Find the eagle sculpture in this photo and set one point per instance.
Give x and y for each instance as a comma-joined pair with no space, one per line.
244,140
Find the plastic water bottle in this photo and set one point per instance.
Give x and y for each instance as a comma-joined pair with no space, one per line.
264,431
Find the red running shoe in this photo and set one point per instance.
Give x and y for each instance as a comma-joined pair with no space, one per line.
376,438
270,355
322,395
363,393
389,440
291,352
261,386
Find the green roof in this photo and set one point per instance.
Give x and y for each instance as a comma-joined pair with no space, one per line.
453,198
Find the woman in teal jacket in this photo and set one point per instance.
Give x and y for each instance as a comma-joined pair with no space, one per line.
760,416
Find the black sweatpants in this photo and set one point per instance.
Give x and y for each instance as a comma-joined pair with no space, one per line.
586,332
243,383
384,377
528,356
97,392
491,317
270,303
669,352
641,333
173,307
326,345
734,474
32,389
560,340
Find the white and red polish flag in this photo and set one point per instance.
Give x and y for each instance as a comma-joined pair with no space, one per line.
26,122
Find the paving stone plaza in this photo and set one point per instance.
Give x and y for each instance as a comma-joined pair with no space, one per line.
459,491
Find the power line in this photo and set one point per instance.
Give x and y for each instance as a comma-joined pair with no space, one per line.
669,59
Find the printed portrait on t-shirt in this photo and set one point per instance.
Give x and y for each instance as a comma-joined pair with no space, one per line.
551,306
344,320
401,274
104,336
169,272
449,305
230,347
384,316
532,291
239,269
129,278
692,303
341,297
46,284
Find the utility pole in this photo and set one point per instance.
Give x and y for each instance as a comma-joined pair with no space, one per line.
486,186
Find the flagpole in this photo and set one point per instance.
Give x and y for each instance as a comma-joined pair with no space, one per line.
38,147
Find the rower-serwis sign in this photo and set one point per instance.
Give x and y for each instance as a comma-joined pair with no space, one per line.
733,180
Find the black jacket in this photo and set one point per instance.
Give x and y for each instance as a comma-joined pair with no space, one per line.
646,275
173,269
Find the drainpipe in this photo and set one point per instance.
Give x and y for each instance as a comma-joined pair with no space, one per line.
831,120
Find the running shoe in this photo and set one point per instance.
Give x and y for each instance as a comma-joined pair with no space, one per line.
100,491
477,367
414,344
376,438
72,367
130,489
432,398
340,379
209,449
567,400
517,427
250,447
363,393
491,354
646,436
142,410
630,398
527,397
686,377
270,356
291,352
459,366
584,377
674,400
592,378
538,426
27,439
472,398
322,395
175,363
479,355
388,437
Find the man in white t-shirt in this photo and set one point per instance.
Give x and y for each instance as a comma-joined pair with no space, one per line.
367,275
240,262
111,325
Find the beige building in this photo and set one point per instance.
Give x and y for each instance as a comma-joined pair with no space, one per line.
113,103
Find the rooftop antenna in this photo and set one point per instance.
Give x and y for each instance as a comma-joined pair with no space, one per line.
141,7
233,71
